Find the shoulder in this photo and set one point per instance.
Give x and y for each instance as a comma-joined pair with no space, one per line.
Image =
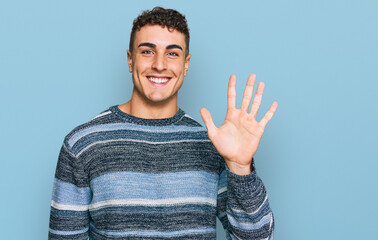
95,124
187,124
187,120
190,127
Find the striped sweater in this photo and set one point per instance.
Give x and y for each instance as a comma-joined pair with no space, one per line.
123,177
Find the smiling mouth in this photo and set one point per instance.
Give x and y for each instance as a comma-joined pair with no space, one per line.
158,80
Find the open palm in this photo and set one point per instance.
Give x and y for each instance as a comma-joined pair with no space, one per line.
238,138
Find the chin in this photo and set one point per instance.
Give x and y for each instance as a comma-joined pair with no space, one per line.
159,99
156,99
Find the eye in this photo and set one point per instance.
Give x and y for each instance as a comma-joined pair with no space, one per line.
173,54
147,52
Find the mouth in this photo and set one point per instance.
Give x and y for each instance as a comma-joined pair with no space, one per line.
158,80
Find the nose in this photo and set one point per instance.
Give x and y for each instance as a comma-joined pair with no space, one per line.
159,62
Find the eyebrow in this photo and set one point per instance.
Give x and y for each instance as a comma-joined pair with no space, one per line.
147,44
151,45
173,46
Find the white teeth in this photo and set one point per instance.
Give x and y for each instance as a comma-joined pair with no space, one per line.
158,80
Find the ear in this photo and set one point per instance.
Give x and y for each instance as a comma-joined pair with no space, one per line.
187,60
130,60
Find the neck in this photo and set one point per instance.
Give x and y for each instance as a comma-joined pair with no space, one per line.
142,108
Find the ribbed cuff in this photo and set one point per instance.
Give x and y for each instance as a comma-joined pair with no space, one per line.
245,191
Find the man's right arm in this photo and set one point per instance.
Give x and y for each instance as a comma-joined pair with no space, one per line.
69,216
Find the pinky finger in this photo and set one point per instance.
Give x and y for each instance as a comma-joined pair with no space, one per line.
268,116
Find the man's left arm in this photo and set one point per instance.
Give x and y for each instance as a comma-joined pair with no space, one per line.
243,206
237,141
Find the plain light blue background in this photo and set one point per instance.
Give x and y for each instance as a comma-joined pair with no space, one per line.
62,62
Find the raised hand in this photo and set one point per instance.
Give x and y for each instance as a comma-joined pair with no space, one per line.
239,136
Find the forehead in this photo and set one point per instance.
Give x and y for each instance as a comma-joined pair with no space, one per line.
159,35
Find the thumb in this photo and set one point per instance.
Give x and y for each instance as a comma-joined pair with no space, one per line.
208,120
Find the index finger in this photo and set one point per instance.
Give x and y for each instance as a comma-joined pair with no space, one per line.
231,95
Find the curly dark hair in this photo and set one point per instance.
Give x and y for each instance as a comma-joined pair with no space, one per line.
164,17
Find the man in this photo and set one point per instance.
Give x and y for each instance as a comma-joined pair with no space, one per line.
146,170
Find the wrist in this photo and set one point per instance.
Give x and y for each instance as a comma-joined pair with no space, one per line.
240,169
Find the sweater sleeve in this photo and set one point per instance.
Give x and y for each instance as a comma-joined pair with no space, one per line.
69,216
243,207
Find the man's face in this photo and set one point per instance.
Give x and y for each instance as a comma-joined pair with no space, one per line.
158,63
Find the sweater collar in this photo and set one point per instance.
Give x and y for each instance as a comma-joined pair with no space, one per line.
144,121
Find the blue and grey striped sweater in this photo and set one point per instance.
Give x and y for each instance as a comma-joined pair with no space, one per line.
123,177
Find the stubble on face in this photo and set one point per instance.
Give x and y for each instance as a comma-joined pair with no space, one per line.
158,64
